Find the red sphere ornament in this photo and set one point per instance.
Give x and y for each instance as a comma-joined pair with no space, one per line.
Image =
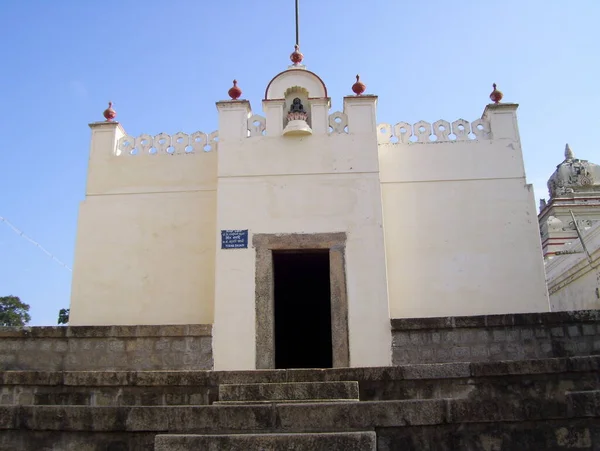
496,95
358,87
234,92
296,57
109,113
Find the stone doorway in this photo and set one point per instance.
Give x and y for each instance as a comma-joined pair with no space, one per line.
302,309
273,250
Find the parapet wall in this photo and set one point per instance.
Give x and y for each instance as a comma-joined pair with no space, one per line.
495,337
99,348
459,218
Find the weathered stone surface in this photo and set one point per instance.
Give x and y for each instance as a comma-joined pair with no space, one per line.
584,403
516,319
290,391
451,380
495,436
347,441
495,337
437,371
89,348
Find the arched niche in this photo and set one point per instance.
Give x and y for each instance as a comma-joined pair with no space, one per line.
309,81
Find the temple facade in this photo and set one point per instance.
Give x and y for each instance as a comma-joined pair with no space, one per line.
299,233
570,231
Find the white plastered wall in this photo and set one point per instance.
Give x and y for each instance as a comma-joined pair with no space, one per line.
461,230
574,281
145,237
316,184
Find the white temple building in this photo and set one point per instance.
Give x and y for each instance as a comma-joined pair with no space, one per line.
570,231
300,227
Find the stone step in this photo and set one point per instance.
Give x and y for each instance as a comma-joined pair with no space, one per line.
339,441
480,380
289,391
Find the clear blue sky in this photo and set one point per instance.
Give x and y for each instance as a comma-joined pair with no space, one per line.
164,64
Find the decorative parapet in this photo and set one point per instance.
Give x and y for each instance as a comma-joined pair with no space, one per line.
163,144
338,122
440,131
256,125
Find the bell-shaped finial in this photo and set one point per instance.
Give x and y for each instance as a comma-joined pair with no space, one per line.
296,57
496,95
358,87
234,92
109,113
568,152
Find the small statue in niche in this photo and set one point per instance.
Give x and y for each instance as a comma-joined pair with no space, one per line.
297,106
297,112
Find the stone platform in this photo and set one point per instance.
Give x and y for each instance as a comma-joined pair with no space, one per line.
526,405
498,382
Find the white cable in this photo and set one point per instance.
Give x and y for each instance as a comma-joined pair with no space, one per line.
35,243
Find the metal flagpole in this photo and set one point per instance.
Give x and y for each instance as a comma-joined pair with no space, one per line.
297,26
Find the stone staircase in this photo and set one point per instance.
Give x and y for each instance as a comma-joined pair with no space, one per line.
545,404
277,393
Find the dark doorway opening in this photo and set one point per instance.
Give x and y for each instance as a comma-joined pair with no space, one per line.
302,309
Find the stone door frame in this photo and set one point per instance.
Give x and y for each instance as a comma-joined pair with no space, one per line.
265,244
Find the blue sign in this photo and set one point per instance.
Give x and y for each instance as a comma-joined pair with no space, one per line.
234,239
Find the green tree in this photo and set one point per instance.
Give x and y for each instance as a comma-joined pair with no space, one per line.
63,315
13,312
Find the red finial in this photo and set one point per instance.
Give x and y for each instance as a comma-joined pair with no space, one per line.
296,57
358,87
234,92
109,113
496,95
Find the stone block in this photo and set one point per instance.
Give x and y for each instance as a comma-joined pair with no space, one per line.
461,353
443,355
496,349
356,415
526,333
25,398
588,329
427,355
419,338
573,331
104,399
541,332
176,399
557,332
501,409
451,337
479,352
584,403
339,441
116,345
499,335
178,344
519,367
8,417
437,371
400,339
199,330
499,320
7,399
400,356
291,391
584,363
162,344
